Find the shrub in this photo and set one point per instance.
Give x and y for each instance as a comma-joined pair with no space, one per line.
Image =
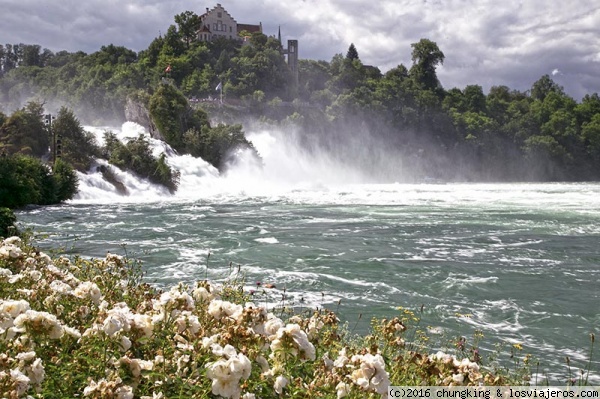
137,157
66,180
93,328
7,223
25,180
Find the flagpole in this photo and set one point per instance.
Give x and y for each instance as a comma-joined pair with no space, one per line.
220,89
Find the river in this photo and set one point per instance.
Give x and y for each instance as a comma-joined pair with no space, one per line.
521,261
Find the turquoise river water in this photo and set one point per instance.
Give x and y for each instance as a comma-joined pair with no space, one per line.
523,260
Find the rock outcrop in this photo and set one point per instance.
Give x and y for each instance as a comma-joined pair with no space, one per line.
137,112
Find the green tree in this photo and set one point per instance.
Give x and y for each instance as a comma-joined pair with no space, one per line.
591,135
188,23
76,146
168,107
25,180
588,108
426,56
544,86
24,132
352,53
66,182
136,156
219,142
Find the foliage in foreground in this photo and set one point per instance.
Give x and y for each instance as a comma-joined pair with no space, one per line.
93,328
7,223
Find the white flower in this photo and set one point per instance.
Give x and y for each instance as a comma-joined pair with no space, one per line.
248,396
327,361
280,383
20,380
73,332
182,362
112,324
341,360
303,347
314,325
458,378
272,325
88,288
5,272
176,298
186,320
36,372
13,308
125,343
15,278
443,357
263,363
35,275
227,372
208,342
342,390
14,240
224,309
119,319
8,250
137,365
60,286
124,392
91,388
45,259
43,322
371,374
201,294
26,356
144,323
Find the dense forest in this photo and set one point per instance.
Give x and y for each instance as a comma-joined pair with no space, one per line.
342,105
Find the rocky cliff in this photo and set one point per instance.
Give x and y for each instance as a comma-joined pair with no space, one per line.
136,111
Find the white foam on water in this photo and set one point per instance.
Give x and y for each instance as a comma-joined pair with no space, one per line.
289,172
267,240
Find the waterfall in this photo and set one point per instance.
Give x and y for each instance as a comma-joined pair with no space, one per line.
284,166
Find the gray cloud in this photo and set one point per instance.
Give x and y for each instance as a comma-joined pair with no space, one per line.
486,42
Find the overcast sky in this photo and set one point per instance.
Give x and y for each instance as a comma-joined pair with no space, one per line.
486,42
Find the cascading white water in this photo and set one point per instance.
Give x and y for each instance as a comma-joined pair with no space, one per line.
284,166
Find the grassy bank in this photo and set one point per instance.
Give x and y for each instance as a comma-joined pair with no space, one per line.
73,327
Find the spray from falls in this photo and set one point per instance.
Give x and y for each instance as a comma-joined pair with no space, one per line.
284,166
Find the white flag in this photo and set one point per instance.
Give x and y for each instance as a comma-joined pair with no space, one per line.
219,86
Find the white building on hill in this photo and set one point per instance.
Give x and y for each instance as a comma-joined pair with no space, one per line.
219,23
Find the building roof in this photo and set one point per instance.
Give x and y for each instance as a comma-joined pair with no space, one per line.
250,28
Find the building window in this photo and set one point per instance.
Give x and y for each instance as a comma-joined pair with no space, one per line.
219,14
230,29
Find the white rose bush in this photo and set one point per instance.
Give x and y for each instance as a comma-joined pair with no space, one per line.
92,328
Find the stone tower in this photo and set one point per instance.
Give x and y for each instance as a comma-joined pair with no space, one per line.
292,53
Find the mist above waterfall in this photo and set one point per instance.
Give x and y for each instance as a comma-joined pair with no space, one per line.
289,160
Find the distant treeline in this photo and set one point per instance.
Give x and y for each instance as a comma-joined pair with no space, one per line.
466,134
